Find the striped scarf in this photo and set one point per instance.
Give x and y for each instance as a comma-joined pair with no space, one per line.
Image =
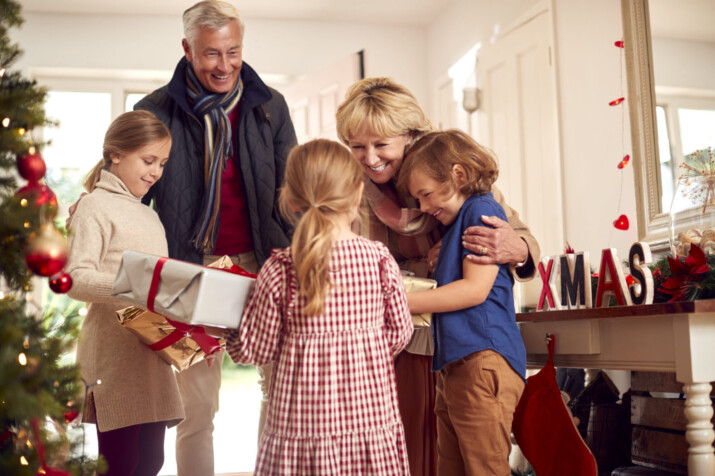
398,222
218,147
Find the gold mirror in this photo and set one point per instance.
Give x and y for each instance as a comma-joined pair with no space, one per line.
672,108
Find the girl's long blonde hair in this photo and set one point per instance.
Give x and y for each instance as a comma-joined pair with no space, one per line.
128,132
321,179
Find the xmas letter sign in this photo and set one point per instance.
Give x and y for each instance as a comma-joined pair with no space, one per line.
573,272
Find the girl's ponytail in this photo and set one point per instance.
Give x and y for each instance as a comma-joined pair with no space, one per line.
311,251
322,178
90,181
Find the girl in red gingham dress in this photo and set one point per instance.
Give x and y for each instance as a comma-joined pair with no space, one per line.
331,313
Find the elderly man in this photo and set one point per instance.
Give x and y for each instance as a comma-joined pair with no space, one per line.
231,136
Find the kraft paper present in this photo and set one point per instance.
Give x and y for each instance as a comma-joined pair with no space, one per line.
151,328
186,292
413,283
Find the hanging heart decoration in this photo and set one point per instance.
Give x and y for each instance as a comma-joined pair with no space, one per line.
621,223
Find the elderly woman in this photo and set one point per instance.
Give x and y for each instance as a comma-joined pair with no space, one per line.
378,121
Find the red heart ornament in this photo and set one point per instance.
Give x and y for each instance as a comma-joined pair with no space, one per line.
621,223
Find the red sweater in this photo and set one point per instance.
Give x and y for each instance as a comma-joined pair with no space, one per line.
234,231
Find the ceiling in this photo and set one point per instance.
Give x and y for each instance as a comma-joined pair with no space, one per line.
398,12
683,19
680,19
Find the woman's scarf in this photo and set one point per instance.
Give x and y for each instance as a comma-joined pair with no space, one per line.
218,147
415,232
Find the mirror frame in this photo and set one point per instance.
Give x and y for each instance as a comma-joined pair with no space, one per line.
653,221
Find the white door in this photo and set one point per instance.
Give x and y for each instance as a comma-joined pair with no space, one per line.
314,99
518,122
447,107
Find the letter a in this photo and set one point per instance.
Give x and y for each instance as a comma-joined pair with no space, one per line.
611,280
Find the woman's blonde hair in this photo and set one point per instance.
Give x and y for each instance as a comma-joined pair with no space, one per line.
438,152
384,107
128,132
212,14
321,179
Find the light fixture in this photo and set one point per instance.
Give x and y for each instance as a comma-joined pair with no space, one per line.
470,103
470,99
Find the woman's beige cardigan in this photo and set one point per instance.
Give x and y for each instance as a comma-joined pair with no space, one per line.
137,386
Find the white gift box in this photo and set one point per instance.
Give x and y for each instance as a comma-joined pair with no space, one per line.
186,293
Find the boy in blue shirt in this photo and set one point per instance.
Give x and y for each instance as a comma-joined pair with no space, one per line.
479,353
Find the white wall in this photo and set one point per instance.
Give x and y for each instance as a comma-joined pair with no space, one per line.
464,24
684,64
594,135
290,48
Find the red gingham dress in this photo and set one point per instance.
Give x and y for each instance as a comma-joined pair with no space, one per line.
332,406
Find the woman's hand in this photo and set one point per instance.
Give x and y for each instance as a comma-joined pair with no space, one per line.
495,245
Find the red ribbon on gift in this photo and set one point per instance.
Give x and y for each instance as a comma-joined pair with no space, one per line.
235,269
206,342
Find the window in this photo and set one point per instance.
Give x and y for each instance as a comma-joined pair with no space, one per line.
684,120
75,145
84,103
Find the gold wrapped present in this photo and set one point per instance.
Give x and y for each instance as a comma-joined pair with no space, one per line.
180,348
181,291
413,283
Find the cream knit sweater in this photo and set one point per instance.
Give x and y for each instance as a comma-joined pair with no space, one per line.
137,385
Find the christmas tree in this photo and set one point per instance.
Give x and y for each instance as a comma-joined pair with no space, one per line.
40,392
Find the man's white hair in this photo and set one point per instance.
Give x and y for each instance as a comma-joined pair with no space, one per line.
212,14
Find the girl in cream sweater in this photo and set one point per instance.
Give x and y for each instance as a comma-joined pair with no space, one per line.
138,397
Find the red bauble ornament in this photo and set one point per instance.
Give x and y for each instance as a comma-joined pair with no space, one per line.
31,167
621,223
71,415
46,251
61,282
41,196
619,44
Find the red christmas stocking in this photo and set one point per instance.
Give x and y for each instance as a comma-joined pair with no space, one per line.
544,430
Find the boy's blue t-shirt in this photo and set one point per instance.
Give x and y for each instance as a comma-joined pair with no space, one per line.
490,325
